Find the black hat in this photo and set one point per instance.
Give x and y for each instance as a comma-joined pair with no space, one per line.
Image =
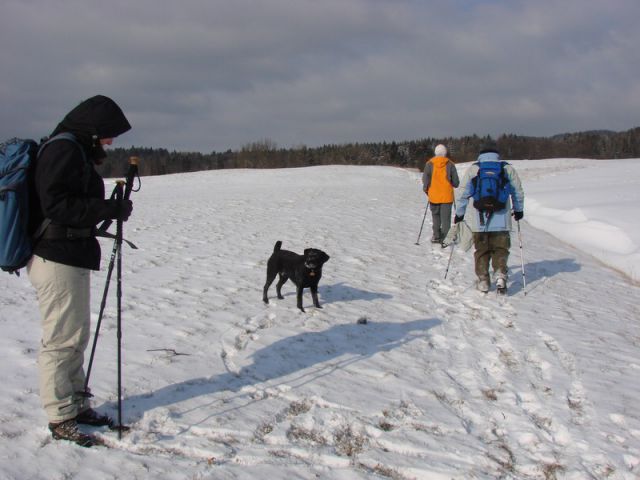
489,146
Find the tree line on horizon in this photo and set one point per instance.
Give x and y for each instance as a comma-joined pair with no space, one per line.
412,154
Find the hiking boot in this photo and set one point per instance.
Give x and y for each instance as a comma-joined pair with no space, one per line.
483,285
68,430
93,418
501,282
435,240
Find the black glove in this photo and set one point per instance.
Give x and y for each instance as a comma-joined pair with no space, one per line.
458,218
125,210
518,216
118,213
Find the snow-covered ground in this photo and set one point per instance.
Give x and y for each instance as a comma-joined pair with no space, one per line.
442,382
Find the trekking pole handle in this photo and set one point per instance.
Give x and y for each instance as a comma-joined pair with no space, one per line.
120,186
119,189
132,173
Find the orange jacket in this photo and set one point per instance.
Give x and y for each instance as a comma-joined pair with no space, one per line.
439,179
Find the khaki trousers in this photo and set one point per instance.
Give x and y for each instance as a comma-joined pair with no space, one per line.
491,248
64,301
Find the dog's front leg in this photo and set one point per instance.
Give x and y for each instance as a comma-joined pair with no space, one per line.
299,297
314,295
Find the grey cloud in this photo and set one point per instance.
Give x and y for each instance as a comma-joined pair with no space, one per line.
211,75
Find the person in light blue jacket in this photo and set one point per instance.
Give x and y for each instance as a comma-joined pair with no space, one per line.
491,233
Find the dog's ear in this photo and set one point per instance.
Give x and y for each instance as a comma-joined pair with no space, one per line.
307,251
325,257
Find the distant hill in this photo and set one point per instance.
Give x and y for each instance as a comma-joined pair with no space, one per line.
605,133
599,144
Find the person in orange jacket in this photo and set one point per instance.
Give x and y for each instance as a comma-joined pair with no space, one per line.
439,179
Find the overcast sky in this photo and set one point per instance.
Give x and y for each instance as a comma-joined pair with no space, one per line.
204,75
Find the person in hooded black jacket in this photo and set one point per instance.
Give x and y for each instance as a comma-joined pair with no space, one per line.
70,193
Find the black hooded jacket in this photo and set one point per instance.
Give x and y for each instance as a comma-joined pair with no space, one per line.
69,190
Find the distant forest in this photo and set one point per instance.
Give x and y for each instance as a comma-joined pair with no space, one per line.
266,154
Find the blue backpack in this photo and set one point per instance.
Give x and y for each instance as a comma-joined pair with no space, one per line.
17,162
491,188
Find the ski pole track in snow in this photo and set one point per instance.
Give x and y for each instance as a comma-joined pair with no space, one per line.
497,361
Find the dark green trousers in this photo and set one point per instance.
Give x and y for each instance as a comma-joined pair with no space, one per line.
492,248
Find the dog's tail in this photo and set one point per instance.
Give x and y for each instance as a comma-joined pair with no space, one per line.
277,246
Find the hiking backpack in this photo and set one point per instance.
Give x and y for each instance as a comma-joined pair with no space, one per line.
491,187
17,163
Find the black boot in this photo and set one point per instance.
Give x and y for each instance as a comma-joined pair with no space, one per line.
68,430
93,418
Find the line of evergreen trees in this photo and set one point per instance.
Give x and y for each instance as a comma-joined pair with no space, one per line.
265,153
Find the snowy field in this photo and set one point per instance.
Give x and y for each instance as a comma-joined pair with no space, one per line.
442,382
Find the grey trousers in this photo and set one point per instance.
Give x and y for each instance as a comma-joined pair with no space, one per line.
441,220
64,301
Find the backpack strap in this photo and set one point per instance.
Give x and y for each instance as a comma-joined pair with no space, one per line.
503,176
474,180
86,174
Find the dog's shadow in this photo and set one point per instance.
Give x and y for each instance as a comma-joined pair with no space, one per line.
308,355
341,292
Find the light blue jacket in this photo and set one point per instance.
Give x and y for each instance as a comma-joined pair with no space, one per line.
500,221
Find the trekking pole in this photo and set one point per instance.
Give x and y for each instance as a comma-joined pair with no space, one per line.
103,303
123,192
119,223
453,245
449,262
117,245
524,280
421,226
131,175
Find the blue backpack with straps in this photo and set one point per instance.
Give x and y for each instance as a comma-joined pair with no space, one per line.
491,187
17,162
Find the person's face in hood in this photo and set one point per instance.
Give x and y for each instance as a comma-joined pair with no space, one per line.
99,153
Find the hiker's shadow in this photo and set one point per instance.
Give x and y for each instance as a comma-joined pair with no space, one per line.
341,292
310,354
536,273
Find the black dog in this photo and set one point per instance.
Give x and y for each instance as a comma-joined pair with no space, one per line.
304,270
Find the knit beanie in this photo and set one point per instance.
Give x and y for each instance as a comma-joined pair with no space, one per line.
441,151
